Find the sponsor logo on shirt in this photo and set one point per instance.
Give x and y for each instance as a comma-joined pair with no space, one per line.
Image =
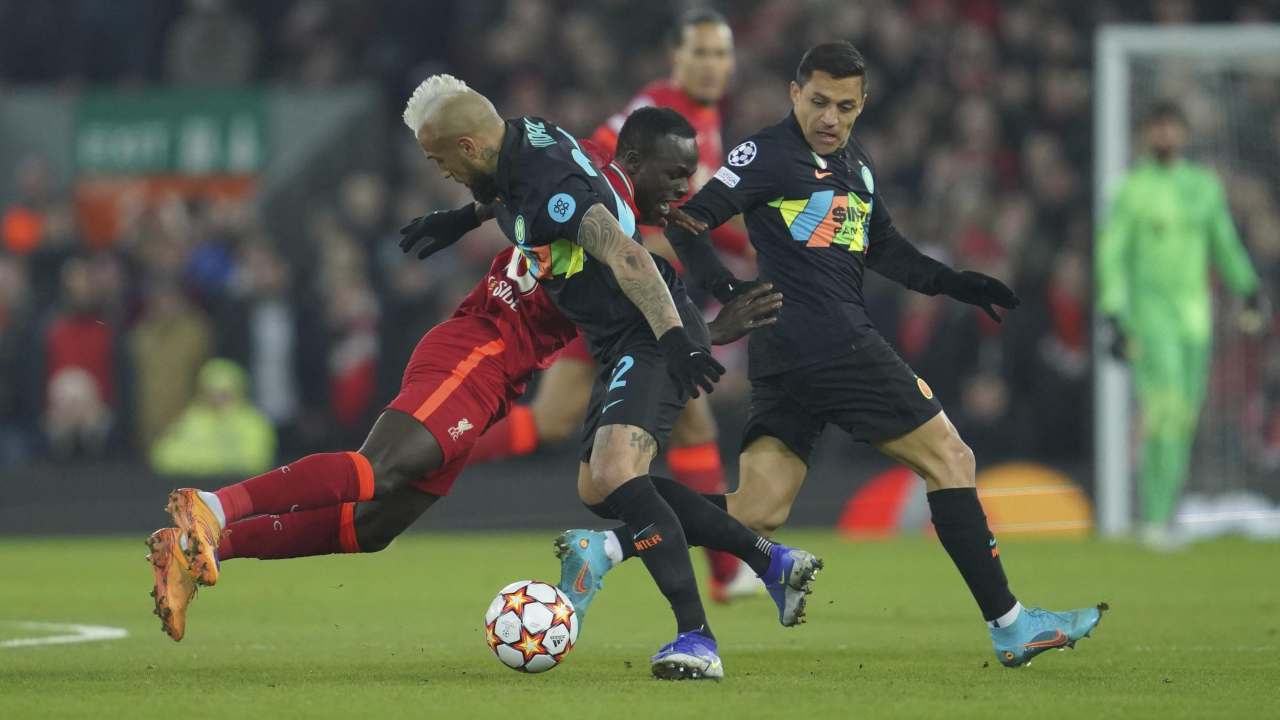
824,219
503,291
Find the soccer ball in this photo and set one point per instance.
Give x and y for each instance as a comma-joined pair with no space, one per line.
530,626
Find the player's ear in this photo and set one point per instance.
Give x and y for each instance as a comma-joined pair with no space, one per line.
469,148
795,92
631,162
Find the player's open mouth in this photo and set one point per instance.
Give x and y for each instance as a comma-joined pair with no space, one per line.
826,136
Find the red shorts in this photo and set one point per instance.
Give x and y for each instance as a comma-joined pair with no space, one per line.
577,350
456,386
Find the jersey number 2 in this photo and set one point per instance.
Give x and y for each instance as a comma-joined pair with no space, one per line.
619,370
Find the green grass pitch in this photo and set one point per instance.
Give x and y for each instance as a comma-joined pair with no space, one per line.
892,632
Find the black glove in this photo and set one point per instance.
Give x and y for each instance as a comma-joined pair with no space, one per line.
978,289
1115,340
441,229
689,366
731,287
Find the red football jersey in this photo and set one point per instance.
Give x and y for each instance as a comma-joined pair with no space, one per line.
532,327
613,172
705,120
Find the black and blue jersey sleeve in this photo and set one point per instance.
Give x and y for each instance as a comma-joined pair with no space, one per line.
893,256
748,177
558,214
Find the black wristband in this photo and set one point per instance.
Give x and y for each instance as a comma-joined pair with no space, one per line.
676,341
472,220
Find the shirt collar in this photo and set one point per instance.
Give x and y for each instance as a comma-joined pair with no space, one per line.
510,139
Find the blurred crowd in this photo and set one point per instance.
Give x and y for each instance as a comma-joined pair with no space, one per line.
196,335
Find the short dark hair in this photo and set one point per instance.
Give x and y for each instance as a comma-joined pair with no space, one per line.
696,16
837,59
1163,109
647,125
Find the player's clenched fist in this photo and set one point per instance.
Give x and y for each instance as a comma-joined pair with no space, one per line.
690,366
440,229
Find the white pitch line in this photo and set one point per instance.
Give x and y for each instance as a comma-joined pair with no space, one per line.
77,634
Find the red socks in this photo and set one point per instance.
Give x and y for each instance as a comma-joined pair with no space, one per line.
297,534
316,481
698,468
512,436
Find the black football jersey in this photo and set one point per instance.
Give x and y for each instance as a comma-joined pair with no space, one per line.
546,184
816,223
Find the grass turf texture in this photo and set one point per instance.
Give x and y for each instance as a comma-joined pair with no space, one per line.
892,632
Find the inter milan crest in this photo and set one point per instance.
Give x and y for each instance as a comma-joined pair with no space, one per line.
743,154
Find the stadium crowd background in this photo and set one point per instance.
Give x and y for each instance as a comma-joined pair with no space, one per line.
979,120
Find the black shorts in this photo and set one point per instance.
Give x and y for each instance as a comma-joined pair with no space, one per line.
869,393
634,389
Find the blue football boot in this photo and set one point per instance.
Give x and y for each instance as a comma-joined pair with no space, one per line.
1037,630
691,656
583,564
789,579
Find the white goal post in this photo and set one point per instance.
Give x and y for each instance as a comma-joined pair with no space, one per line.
1117,48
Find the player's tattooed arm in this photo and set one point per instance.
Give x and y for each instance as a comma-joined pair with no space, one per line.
601,236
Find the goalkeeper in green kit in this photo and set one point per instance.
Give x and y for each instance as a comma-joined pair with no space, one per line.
1168,221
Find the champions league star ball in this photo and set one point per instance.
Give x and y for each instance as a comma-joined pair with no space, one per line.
530,626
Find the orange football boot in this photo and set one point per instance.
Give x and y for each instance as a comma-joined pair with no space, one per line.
198,523
175,586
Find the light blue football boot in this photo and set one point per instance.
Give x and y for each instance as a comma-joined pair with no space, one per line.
583,564
1037,630
691,656
789,579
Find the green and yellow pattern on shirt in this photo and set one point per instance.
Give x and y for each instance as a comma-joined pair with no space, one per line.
824,219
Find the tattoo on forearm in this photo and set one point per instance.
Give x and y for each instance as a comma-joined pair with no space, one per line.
632,267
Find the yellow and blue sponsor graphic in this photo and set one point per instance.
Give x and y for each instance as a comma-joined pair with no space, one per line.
826,218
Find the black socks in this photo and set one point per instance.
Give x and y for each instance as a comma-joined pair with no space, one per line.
710,526
962,528
706,524
654,530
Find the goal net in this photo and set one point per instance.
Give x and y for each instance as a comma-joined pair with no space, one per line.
1227,81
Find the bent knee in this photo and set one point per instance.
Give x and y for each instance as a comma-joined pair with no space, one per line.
953,465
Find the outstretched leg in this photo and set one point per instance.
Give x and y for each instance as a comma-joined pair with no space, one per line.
937,453
397,452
